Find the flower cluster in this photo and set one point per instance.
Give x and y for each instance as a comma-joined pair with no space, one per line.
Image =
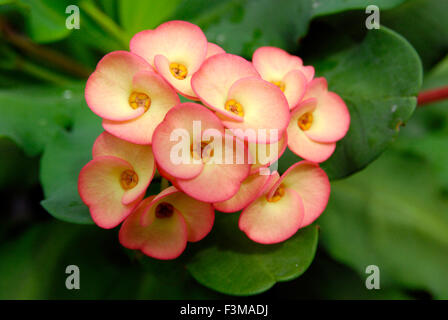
217,150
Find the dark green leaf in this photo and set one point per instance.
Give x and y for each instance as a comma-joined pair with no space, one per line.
46,19
16,169
138,15
30,116
228,262
63,159
426,136
328,279
329,7
424,23
240,26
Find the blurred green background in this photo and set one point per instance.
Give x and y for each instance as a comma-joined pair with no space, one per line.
393,214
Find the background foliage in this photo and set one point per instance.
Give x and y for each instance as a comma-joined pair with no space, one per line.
393,214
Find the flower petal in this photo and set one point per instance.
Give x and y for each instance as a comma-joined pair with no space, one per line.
100,189
298,141
164,238
182,86
249,190
295,87
217,74
272,222
141,129
313,186
132,232
331,117
274,63
222,175
213,49
265,109
178,124
179,41
140,158
264,155
215,183
199,216
109,87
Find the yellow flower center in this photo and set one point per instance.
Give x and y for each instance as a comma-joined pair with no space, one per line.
305,121
128,179
164,210
139,99
279,84
197,152
235,107
278,194
178,70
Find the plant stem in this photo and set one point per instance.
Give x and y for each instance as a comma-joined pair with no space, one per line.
432,95
44,53
42,73
105,22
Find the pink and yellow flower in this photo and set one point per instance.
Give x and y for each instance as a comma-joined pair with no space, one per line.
200,169
130,97
232,87
115,181
162,225
285,71
287,203
318,123
249,190
176,49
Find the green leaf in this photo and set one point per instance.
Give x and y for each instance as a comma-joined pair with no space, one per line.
241,26
16,170
392,215
30,116
94,36
170,280
46,19
109,7
330,7
427,135
424,23
63,159
139,15
378,79
228,262
330,280
33,266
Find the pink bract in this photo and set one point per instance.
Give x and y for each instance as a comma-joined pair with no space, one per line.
102,182
287,204
173,42
163,224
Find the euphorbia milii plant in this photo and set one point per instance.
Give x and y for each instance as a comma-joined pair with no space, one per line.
218,152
